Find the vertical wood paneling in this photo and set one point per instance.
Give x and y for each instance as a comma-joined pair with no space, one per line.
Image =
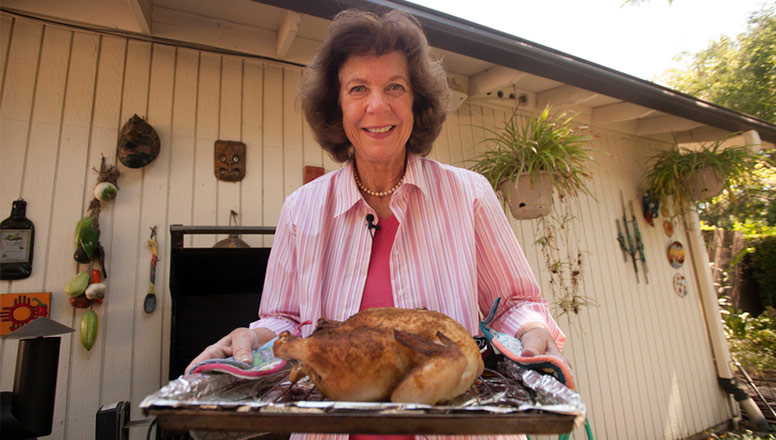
6,24
149,327
39,168
293,164
642,357
183,140
229,126
67,199
15,111
273,147
125,238
208,98
180,171
86,367
252,191
16,108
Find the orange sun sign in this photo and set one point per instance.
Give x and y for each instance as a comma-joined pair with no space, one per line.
17,309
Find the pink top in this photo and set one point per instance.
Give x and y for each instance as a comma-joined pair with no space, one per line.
454,252
377,291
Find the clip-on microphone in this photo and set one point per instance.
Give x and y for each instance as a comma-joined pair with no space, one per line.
371,225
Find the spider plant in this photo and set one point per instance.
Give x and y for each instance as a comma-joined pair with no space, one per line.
673,173
541,142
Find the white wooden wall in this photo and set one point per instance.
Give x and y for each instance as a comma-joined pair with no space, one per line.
642,357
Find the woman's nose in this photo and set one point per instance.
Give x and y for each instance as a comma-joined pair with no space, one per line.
378,102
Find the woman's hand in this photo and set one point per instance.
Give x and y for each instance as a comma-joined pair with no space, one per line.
536,340
239,343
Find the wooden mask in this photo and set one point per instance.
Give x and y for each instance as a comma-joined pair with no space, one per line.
229,161
138,143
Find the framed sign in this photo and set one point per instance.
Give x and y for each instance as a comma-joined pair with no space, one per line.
17,309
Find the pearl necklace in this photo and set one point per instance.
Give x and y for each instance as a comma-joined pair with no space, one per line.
373,193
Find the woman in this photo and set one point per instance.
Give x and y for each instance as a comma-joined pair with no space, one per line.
390,228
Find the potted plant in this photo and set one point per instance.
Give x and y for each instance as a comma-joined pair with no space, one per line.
531,157
687,176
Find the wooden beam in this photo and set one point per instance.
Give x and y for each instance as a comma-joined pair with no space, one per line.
287,33
622,111
217,33
142,10
564,95
665,124
493,78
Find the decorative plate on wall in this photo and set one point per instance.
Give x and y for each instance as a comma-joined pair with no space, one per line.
676,254
680,285
668,227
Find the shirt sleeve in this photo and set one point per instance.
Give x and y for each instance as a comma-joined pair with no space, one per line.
279,309
502,270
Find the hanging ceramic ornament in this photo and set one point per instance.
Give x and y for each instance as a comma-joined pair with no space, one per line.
680,285
138,143
676,254
229,161
668,227
650,207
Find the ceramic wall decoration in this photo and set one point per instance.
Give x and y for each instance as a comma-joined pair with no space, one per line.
676,254
229,161
680,285
138,143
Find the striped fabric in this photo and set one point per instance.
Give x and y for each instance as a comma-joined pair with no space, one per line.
454,253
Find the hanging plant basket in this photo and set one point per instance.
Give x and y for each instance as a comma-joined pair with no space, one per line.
706,184
528,200
544,146
686,176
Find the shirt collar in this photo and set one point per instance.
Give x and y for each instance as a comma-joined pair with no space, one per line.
346,188
350,195
414,173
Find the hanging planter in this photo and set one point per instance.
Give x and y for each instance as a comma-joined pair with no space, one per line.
528,200
706,184
530,159
689,176
543,147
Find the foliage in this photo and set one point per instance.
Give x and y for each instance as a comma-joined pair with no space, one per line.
750,208
563,259
740,435
546,142
752,340
762,262
540,142
670,173
736,73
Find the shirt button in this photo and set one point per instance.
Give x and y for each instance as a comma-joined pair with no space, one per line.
396,252
401,292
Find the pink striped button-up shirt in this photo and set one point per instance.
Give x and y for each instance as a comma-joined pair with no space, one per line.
454,253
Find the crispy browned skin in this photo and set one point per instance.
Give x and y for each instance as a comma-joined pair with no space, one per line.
386,353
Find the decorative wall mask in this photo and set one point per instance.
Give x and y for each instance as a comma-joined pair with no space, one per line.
229,161
138,143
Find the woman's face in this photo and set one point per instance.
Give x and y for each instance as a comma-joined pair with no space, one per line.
376,101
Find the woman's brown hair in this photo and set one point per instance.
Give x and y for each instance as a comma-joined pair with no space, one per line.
355,32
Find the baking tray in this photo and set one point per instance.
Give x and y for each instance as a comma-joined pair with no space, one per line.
519,401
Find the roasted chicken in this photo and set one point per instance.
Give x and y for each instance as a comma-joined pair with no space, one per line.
378,354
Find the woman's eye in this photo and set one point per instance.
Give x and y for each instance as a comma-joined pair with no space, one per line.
396,88
357,89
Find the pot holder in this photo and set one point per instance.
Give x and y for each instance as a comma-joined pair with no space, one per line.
264,364
511,348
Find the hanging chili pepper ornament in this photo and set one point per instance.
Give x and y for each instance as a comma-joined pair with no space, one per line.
150,300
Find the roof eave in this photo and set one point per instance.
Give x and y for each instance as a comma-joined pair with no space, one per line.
467,38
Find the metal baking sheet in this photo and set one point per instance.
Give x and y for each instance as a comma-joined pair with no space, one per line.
508,401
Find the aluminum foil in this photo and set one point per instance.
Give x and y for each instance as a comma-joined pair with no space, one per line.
508,389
